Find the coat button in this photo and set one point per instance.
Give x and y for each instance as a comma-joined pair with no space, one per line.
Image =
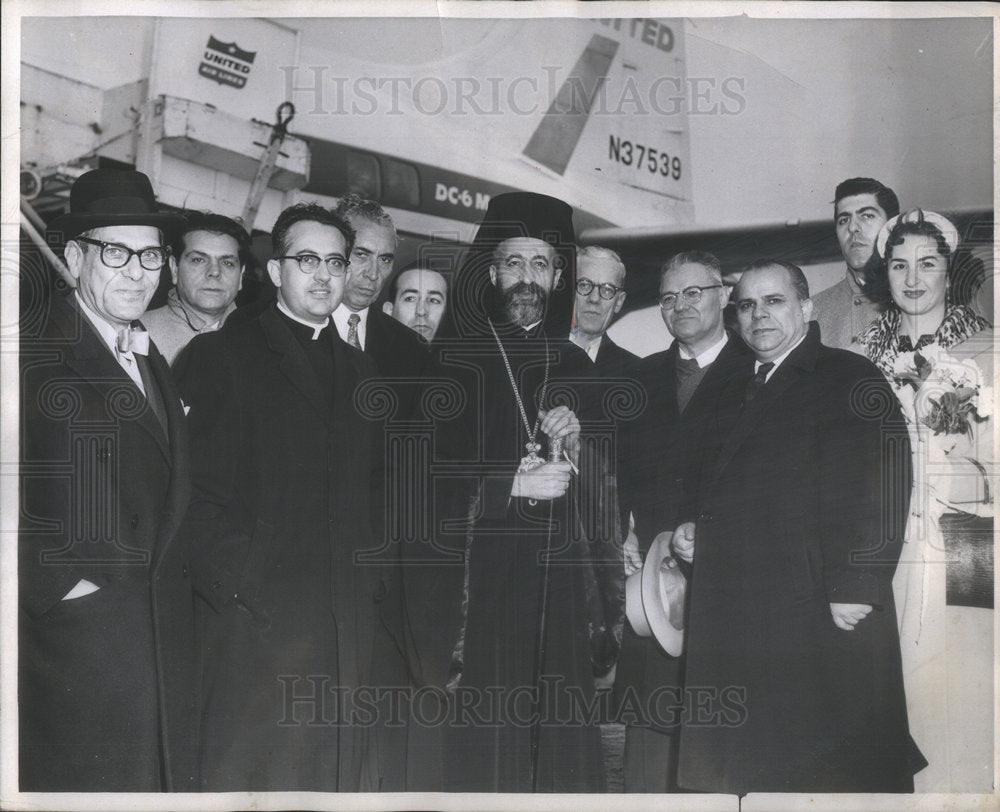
184,570
705,516
134,521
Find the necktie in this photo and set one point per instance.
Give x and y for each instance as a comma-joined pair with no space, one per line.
129,346
686,366
689,375
757,382
133,339
352,330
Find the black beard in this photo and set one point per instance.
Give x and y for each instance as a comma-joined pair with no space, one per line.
523,303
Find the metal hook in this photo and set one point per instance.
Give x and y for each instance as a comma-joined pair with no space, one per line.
284,109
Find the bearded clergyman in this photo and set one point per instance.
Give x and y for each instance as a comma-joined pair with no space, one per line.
514,616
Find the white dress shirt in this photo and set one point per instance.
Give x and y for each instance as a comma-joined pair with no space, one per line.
109,335
706,357
340,317
777,361
590,347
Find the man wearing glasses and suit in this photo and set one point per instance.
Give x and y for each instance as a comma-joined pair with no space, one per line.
656,475
283,471
106,629
600,294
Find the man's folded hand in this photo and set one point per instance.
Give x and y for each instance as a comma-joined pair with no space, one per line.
548,481
847,615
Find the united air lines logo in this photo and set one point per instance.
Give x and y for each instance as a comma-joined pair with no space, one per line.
226,63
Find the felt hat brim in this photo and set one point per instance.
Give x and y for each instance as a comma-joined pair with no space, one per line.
654,597
65,228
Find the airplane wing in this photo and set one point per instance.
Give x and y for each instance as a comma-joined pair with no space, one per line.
812,242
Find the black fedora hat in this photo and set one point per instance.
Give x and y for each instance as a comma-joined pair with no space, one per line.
111,197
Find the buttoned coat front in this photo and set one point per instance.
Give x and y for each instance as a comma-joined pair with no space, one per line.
282,513
658,470
106,694
802,504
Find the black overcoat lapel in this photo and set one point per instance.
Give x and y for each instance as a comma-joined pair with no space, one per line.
89,357
293,363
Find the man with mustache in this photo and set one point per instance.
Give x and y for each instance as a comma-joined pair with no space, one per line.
506,609
861,207
284,500
397,351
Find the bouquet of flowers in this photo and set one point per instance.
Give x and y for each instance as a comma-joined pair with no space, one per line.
955,400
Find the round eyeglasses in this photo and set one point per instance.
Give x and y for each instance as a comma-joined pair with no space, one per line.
309,263
692,296
118,256
605,291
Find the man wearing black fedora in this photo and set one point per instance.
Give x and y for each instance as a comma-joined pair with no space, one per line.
507,615
105,621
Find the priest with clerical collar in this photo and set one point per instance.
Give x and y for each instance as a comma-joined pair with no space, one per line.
284,501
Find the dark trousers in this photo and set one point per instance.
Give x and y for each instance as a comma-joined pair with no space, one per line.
650,760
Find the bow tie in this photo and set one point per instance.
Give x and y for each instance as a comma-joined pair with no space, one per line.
132,339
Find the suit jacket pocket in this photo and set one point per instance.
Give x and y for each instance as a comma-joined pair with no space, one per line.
83,603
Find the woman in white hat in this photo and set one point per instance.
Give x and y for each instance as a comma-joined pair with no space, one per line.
938,355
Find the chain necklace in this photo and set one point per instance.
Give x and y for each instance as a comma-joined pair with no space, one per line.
532,460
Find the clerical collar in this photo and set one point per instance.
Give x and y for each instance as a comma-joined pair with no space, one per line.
316,328
707,356
105,329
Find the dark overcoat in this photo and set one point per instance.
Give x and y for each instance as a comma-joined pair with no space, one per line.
401,356
802,504
614,361
658,470
474,603
397,350
284,475
106,694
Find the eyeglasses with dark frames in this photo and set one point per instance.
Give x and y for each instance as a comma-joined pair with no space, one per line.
605,291
309,263
692,295
115,255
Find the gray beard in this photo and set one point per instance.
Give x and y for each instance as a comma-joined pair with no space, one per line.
524,303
